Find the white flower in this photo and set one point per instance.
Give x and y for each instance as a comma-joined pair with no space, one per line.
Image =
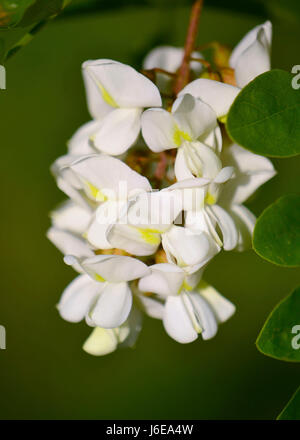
104,184
116,96
251,171
251,56
80,143
181,227
219,96
69,221
190,120
190,308
103,341
224,208
101,294
187,248
169,59
71,217
69,243
149,216
192,128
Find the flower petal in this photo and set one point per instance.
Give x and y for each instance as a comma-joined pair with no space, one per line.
218,95
78,298
154,211
177,321
187,248
159,129
99,100
113,306
169,58
248,40
181,168
201,160
193,116
68,243
76,195
101,341
224,175
253,61
204,316
67,181
108,173
97,233
192,183
251,171
214,140
133,326
118,131
104,341
227,226
223,309
245,222
71,217
191,193
106,215
110,85
152,307
134,240
200,221
164,279
115,268
80,143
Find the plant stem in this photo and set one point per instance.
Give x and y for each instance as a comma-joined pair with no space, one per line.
184,70
202,61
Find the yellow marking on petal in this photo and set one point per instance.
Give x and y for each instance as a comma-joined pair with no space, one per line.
210,199
180,136
101,197
106,96
95,193
223,119
99,278
185,286
92,189
150,236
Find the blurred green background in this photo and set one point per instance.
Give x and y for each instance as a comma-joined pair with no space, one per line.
44,372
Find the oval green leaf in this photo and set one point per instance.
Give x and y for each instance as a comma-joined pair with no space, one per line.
280,335
292,410
276,234
265,116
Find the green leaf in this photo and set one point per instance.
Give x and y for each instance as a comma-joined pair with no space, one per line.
264,117
19,24
41,10
11,12
280,335
276,236
292,410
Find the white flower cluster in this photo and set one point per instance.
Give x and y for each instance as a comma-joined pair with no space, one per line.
154,195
